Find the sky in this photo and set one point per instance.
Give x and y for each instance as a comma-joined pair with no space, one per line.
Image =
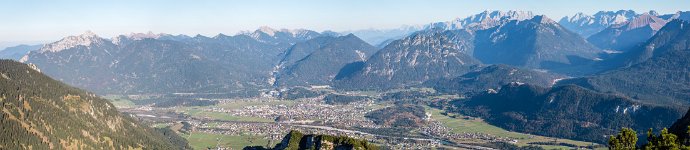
34,21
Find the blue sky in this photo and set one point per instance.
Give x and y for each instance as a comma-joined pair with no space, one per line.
30,21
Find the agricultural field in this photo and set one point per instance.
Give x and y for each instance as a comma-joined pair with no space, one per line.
463,124
201,140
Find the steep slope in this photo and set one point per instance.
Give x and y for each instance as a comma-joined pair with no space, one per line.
586,25
492,77
17,52
682,15
569,111
41,113
656,72
321,59
681,127
625,36
538,42
483,20
422,56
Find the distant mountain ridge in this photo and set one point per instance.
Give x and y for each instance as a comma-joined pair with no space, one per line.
655,72
273,36
378,37
17,52
626,35
533,43
483,20
587,25
159,63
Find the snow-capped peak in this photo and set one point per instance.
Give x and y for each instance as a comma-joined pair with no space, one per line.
267,30
136,36
608,18
272,32
483,20
144,35
267,34
86,39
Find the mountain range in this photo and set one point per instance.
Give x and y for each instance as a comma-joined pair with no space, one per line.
580,78
381,37
17,52
626,35
655,72
587,25
483,20
266,58
149,63
620,30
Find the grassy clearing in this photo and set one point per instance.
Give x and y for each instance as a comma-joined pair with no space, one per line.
120,101
160,125
461,125
200,140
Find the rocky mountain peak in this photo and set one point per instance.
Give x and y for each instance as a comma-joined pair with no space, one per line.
86,39
483,20
118,40
647,19
267,30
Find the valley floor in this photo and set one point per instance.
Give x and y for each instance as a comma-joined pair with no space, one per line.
236,123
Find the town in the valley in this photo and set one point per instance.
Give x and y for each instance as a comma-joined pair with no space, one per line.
265,120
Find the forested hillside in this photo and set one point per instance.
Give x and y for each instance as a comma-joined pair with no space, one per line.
567,111
41,113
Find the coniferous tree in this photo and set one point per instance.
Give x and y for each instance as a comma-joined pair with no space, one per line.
625,140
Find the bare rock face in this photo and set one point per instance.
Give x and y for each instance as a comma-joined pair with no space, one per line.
424,55
483,20
586,25
627,35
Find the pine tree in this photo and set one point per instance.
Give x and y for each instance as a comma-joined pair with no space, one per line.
665,141
625,140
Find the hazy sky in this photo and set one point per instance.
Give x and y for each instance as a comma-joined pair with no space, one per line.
29,20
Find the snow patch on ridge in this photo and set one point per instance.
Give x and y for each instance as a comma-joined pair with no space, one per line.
361,55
